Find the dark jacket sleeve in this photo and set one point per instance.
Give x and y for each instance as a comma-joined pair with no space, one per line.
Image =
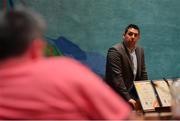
114,73
144,75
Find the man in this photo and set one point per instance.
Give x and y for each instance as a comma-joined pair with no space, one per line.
34,87
125,64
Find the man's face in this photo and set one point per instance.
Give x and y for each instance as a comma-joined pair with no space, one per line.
131,37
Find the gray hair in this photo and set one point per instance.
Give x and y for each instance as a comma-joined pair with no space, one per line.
18,28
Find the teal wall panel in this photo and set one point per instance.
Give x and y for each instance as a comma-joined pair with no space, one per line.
96,25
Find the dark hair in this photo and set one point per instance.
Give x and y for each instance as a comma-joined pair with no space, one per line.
18,28
131,26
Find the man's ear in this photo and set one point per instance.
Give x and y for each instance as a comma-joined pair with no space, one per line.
37,48
139,37
123,36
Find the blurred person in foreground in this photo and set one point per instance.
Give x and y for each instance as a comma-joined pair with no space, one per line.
35,87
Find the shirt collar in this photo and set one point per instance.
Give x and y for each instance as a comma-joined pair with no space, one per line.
130,50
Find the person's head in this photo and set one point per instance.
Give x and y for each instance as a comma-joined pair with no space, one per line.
131,35
21,32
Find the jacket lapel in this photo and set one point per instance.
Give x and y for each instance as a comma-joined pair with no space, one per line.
127,55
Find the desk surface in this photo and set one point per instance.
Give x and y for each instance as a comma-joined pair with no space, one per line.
152,116
158,115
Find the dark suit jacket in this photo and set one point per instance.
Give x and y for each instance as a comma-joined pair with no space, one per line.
119,69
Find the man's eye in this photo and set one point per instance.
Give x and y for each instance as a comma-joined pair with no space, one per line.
135,35
130,34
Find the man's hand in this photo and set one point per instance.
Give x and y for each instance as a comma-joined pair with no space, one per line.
133,103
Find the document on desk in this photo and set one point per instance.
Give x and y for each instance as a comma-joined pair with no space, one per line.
170,82
163,92
146,95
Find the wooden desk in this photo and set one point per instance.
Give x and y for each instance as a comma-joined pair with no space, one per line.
163,114
152,116
158,116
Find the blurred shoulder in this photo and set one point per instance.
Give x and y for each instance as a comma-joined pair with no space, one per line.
58,62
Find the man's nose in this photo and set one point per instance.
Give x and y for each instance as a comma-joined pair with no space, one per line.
133,36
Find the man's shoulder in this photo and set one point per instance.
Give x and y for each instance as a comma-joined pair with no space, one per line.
55,63
117,46
58,68
139,47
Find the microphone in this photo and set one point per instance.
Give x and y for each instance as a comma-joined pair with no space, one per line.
166,82
155,91
162,108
